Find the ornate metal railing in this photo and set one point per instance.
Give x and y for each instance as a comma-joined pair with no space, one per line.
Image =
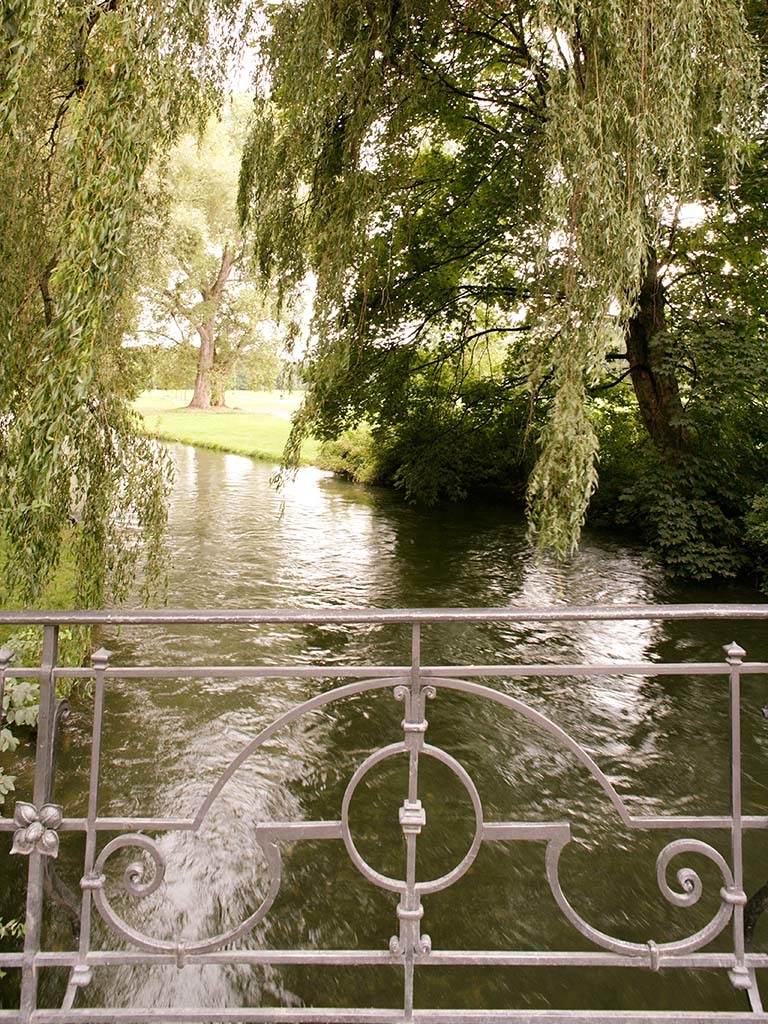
37,825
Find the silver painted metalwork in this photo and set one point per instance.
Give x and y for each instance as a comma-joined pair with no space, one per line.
39,825
36,829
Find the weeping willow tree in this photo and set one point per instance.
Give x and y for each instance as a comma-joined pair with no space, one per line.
452,170
89,92
636,93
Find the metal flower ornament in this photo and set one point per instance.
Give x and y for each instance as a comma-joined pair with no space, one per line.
37,829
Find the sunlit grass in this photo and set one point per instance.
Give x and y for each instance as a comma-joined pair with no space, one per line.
58,594
26,641
255,423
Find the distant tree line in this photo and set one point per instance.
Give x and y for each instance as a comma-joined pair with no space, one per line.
175,367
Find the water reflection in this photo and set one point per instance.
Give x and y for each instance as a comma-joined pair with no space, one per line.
664,743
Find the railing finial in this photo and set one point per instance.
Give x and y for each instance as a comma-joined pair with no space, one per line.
100,658
733,653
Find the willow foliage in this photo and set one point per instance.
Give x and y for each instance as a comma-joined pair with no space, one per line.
88,93
636,93
445,166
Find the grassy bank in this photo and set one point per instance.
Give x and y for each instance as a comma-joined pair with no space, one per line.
26,641
255,423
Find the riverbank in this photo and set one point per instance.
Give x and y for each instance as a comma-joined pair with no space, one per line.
255,423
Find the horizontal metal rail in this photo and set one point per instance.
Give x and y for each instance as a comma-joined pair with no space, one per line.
344,1015
311,616
37,825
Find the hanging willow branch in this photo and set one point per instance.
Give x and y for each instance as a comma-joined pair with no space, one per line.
636,93
88,92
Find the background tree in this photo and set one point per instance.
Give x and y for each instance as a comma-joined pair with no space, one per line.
198,285
88,93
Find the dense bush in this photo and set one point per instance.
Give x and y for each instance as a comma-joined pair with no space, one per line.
704,513
440,451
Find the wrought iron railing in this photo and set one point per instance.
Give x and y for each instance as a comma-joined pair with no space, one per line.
37,825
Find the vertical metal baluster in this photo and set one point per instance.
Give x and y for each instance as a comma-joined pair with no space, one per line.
81,974
61,714
412,819
45,734
6,657
739,975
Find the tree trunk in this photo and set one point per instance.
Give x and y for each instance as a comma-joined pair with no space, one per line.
652,370
206,393
218,388
224,364
201,397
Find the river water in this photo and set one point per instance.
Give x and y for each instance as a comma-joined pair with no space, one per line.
236,543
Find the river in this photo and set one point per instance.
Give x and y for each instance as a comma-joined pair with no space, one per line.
236,543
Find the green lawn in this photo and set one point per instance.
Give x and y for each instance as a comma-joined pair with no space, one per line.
256,423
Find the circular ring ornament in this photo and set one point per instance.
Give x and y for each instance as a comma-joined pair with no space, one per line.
397,884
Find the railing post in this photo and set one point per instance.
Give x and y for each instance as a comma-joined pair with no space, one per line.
412,820
739,974
6,657
42,787
81,973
